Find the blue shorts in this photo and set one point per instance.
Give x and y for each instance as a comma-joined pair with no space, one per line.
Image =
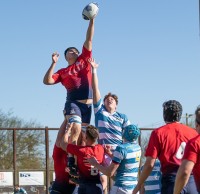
84,111
167,182
93,188
62,188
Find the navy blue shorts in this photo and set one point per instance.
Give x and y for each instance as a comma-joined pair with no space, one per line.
167,182
93,188
63,188
84,111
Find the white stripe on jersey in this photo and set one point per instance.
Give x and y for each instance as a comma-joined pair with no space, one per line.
109,136
133,154
153,178
132,174
152,187
108,125
117,155
128,183
132,165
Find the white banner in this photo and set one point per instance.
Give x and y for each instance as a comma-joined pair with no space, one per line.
6,179
31,178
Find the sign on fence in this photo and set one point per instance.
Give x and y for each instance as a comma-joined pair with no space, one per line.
6,178
31,178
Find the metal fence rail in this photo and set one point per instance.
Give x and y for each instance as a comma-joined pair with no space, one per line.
35,189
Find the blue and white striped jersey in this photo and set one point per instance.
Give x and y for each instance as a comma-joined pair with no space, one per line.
109,125
127,155
152,185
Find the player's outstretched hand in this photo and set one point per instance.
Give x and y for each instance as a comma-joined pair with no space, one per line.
55,57
93,63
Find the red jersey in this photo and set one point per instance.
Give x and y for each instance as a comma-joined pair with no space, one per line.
87,171
60,162
192,153
77,78
167,143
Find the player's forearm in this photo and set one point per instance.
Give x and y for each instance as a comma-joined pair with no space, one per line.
64,141
179,184
103,169
61,133
48,80
182,176
143,176
95,87
89,35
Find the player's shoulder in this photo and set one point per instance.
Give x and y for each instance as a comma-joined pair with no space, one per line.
99,146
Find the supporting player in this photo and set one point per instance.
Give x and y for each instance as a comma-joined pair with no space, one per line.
61,184
89,181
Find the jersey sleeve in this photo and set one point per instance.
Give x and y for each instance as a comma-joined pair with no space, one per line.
57,77
118,155
126,121
153,147
191,152
86,53
98,106
73,149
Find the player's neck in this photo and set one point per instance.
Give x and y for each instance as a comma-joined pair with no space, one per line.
71,62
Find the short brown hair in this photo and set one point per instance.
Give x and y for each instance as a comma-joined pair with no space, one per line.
92,132
111,95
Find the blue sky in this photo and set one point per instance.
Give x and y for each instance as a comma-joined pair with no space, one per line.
148,53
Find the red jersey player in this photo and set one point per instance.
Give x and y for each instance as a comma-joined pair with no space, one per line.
61,184
76,78
167,143
89,181
191,160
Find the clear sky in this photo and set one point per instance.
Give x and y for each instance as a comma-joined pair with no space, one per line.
149,52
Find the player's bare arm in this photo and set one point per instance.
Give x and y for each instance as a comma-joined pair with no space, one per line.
48,80
95,87
183,175
89,35
109,170
65,139
61,133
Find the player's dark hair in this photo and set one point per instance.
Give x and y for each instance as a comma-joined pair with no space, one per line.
197,114
172,111
92,132
71,48
111,95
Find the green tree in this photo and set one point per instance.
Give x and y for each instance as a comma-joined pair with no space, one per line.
30,144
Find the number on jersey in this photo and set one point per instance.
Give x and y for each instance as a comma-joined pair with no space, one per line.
180,152
94,171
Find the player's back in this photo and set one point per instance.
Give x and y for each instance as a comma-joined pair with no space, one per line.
128,156
87,171
172,139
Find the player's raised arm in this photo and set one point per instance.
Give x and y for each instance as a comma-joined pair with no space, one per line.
66,135
48,80
95,85
61,133
89,35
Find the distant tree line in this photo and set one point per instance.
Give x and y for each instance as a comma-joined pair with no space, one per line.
30,144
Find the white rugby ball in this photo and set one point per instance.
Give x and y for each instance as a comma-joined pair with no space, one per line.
90,11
